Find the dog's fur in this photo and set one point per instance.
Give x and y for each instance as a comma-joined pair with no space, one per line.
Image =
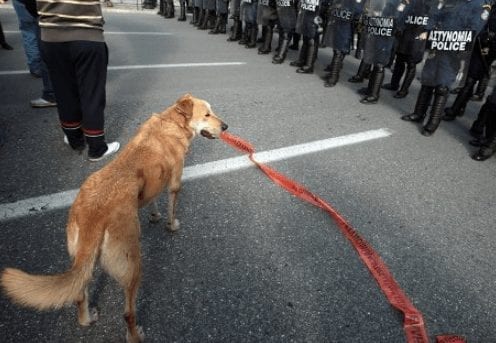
103,221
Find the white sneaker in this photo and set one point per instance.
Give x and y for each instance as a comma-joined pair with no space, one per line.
40,103
111,149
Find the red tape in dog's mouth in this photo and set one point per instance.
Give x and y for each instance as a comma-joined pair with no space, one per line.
413,323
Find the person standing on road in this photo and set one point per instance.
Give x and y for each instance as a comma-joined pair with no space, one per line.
453,26
410,49
308,25
75,52
339,34
487,139
3,42
286,14
30,30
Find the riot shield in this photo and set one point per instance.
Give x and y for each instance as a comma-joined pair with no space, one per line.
339,31
305,22
412,31
287,14
454,26
382,19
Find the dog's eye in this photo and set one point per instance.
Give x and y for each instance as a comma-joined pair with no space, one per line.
207,115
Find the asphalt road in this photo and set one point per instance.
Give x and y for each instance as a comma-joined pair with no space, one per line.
252,263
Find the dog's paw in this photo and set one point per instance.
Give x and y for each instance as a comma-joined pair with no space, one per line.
173,226
154,217
138,338
90,319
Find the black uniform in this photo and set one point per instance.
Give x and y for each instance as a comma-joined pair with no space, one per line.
483,55
339,34
410,48
453,25
286,15
384,17
308,26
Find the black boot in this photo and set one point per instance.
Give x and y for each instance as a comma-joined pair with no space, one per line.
375,83
161,8
423,101
457,109
169,11
411,71
267,43
398,70
332,78
488,146
211,20
477,128
235,31
245,33
312,50
206,19
194,19
252,37
283,49
363,70
481,89
201,17
295,41
301,56
440,98
262,37
223,23
215,30
182,11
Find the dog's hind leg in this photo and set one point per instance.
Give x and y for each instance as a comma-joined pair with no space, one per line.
172,222
154,215
174,188
86,316
121,258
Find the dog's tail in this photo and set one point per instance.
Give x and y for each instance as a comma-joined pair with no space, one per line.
45,292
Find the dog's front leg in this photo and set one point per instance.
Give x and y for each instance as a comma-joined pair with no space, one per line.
154,215
172,222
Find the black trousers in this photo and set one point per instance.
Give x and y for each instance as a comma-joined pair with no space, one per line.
78,70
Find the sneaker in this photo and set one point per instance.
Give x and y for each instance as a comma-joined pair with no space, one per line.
111,149
41,103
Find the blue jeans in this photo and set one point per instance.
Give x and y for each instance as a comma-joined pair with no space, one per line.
30,31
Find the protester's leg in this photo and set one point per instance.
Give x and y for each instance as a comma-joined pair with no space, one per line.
59,64
90,64
28,25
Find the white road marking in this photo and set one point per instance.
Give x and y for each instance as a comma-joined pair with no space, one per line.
146,66
26,207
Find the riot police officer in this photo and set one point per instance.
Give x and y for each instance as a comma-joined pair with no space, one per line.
410,49
483,55
237,26
486,118
383,18
339,34
453,26
267,11
308,25
221,17
249,13
286,15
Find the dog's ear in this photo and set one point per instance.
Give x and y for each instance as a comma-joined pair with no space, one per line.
184,105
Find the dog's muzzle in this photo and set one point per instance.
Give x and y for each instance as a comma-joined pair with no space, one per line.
209,135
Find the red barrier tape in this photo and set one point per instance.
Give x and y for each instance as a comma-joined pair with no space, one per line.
413,323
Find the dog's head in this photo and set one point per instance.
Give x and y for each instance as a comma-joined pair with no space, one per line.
200,117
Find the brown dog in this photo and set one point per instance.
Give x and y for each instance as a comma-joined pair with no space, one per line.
103,221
